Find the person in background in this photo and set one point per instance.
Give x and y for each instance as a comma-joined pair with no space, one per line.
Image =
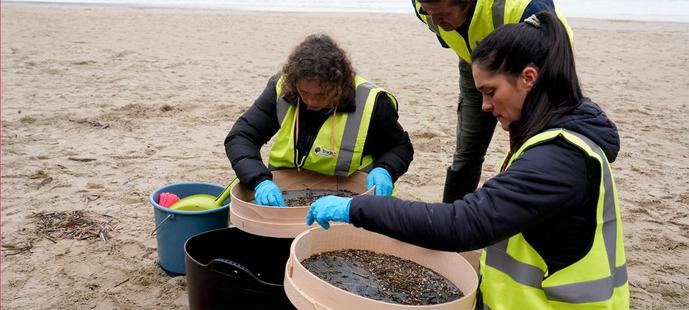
325,118
459,25
550,220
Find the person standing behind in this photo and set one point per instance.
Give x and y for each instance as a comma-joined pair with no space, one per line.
550,220
459,25
325,118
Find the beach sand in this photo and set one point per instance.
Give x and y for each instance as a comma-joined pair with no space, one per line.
101,105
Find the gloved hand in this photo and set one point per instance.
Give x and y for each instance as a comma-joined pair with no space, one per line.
381,179
329,208
268,193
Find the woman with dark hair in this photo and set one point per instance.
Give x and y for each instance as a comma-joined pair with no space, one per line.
549,221
325,118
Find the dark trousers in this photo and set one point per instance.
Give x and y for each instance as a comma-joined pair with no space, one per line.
474,132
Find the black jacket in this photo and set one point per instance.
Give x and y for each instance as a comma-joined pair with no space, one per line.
548,194
386,141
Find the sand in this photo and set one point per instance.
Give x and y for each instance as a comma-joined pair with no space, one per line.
101,105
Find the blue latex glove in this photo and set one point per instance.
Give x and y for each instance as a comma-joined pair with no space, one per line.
381,179
329,208
269,194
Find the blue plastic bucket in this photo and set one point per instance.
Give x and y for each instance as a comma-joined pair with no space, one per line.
174,227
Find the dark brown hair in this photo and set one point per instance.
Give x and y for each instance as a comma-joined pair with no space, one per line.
318,57
542,42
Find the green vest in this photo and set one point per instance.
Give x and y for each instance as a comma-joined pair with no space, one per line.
349,133
488,15
515,276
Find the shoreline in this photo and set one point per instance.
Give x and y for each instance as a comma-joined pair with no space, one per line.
253,11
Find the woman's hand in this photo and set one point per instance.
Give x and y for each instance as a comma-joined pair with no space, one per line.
327,209
269,194
381,179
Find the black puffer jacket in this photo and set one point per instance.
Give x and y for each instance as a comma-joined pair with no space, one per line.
548,193
387,141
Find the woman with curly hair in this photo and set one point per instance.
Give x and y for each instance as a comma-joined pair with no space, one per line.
325,119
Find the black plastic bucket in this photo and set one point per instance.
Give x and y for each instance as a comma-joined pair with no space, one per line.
231,269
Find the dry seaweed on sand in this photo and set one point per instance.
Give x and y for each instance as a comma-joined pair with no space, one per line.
59,225
79,225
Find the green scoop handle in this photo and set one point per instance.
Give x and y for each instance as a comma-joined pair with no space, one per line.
203,202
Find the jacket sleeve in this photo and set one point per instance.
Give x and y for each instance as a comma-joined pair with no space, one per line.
545,181
251,131
386,140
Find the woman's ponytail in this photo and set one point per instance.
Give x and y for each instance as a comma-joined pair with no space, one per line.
558,72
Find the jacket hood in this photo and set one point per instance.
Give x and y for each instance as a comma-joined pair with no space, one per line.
589,120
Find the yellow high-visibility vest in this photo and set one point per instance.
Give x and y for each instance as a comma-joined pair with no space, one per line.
515,276
488,15
349,133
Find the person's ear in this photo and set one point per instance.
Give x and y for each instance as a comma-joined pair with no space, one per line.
529,76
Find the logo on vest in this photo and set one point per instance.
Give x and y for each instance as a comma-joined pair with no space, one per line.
323,152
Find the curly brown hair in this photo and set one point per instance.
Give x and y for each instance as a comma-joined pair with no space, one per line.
319,58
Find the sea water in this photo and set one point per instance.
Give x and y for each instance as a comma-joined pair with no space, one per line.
641,10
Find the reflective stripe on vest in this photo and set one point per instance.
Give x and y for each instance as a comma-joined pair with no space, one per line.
584,284
351,132
488,15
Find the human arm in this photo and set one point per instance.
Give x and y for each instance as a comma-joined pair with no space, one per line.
545,181
251,131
